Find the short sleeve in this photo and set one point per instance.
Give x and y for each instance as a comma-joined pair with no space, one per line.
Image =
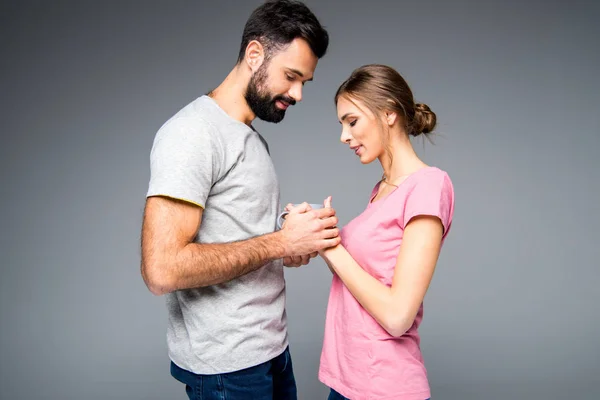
432,195
184,161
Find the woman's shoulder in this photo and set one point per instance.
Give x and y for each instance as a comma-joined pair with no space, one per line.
433,177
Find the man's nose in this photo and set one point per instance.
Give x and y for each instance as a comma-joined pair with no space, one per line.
295,91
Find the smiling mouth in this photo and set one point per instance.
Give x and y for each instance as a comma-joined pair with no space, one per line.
282,104
356,149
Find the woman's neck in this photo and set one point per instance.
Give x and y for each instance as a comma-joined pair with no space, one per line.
403,162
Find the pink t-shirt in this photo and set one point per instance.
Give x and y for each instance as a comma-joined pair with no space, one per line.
360,360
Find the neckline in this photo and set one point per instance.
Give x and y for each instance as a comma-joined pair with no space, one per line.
375,189
216,105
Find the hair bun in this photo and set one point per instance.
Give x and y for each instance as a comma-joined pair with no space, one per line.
424,120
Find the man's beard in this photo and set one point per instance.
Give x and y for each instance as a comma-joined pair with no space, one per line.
260,100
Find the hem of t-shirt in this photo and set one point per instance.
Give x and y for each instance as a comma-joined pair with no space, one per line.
176,198
186,365
445,225
424,214
342,389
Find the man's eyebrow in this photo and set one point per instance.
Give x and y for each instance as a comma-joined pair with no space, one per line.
300,74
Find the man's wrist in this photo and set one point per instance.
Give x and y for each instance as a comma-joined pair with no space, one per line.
278,244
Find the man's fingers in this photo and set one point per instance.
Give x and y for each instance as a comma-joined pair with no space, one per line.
297,261
331,233
326,212
327,243
329,222
299,209
290,262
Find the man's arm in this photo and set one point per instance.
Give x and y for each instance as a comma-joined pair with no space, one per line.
172,261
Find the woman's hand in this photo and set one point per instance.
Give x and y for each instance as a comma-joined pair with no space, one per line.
322,252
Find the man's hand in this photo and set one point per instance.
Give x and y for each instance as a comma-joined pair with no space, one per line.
307,231
298,261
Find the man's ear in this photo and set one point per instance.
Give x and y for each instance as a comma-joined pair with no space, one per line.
255,55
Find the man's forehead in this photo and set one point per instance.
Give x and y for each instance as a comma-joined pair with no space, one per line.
298,58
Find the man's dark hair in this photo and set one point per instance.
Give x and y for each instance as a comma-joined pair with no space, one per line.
276,23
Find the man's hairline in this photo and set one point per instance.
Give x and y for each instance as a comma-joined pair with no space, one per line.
275,49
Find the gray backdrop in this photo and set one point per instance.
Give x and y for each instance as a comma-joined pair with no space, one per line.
512,310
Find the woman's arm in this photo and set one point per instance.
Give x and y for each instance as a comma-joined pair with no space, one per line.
395,307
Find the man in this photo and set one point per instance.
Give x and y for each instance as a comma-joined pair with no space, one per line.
208,237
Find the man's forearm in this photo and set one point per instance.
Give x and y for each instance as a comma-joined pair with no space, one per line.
198,265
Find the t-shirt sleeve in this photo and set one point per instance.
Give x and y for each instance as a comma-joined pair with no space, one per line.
432,195
184,162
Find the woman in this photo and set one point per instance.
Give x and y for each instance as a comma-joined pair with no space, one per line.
385,262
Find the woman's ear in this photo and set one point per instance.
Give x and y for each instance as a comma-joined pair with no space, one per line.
390,117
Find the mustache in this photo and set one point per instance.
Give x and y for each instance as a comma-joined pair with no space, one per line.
286,99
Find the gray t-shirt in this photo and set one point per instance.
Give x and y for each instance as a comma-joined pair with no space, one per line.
202,155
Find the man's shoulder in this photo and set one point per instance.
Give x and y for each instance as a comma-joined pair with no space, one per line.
194,114
264,142
194,118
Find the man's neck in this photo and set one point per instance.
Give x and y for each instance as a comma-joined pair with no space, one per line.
229,95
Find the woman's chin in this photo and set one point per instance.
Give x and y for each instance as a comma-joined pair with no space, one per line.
365,159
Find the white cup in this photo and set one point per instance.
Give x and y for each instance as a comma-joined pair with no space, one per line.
281,217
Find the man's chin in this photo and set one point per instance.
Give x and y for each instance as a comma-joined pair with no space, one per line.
279,119
273,118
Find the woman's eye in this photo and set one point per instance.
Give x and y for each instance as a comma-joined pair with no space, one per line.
353,123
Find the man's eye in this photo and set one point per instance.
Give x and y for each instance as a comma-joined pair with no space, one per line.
289,77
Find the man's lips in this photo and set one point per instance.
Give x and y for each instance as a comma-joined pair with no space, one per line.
282,104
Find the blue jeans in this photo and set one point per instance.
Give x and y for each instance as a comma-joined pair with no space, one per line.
272,380
333,395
